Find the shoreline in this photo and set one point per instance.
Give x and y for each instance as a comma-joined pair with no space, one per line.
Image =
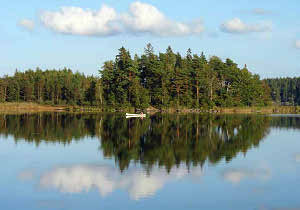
8,107
24,107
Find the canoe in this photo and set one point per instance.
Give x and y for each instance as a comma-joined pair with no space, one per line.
135,115
127,117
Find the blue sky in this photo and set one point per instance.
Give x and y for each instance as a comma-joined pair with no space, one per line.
82,34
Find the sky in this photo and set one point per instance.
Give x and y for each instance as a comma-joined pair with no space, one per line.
82,34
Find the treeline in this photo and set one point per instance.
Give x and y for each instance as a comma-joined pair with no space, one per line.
285,91
59,87
164,80
172,80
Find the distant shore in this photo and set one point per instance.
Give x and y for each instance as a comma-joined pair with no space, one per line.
34,107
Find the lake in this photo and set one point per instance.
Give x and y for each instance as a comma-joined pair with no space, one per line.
89,161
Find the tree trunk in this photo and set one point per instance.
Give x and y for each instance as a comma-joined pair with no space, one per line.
178,94
39,93
210,128
5,92
100,97
178,129
197,129
129,76
211,91
197,92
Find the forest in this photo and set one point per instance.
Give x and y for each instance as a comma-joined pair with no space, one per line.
285,91
53,87
163,80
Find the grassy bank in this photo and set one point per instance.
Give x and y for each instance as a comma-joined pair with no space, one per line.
29,107
262,110
33,107
239,110
22,107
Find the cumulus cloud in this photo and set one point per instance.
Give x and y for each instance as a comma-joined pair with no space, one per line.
75,20
237,26
141,18
145,18
297,45
26,24
235,176
82,178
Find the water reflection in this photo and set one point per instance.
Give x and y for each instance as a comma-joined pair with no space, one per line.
286,121
107,179
160,157
165,140
172,139
235,176
297,158
27,175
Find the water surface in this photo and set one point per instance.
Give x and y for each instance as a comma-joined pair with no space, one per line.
74,161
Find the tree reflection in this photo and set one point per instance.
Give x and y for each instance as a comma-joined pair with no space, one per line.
170,140
286,121
49,128
164,140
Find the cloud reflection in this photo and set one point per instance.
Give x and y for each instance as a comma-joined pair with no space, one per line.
27,175
235,176
106,179
297,158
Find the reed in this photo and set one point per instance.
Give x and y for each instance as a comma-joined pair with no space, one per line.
23,107
28,107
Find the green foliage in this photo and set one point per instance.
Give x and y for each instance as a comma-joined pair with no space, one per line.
170,80
285,91
53,87
166,80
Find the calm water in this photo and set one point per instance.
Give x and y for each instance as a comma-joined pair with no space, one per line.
63,161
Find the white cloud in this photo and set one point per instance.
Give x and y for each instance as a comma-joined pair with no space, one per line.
75,20
82,178
27,24
237,26
235,176
297,45
145,18
141,18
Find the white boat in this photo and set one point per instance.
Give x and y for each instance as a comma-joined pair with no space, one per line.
135,115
